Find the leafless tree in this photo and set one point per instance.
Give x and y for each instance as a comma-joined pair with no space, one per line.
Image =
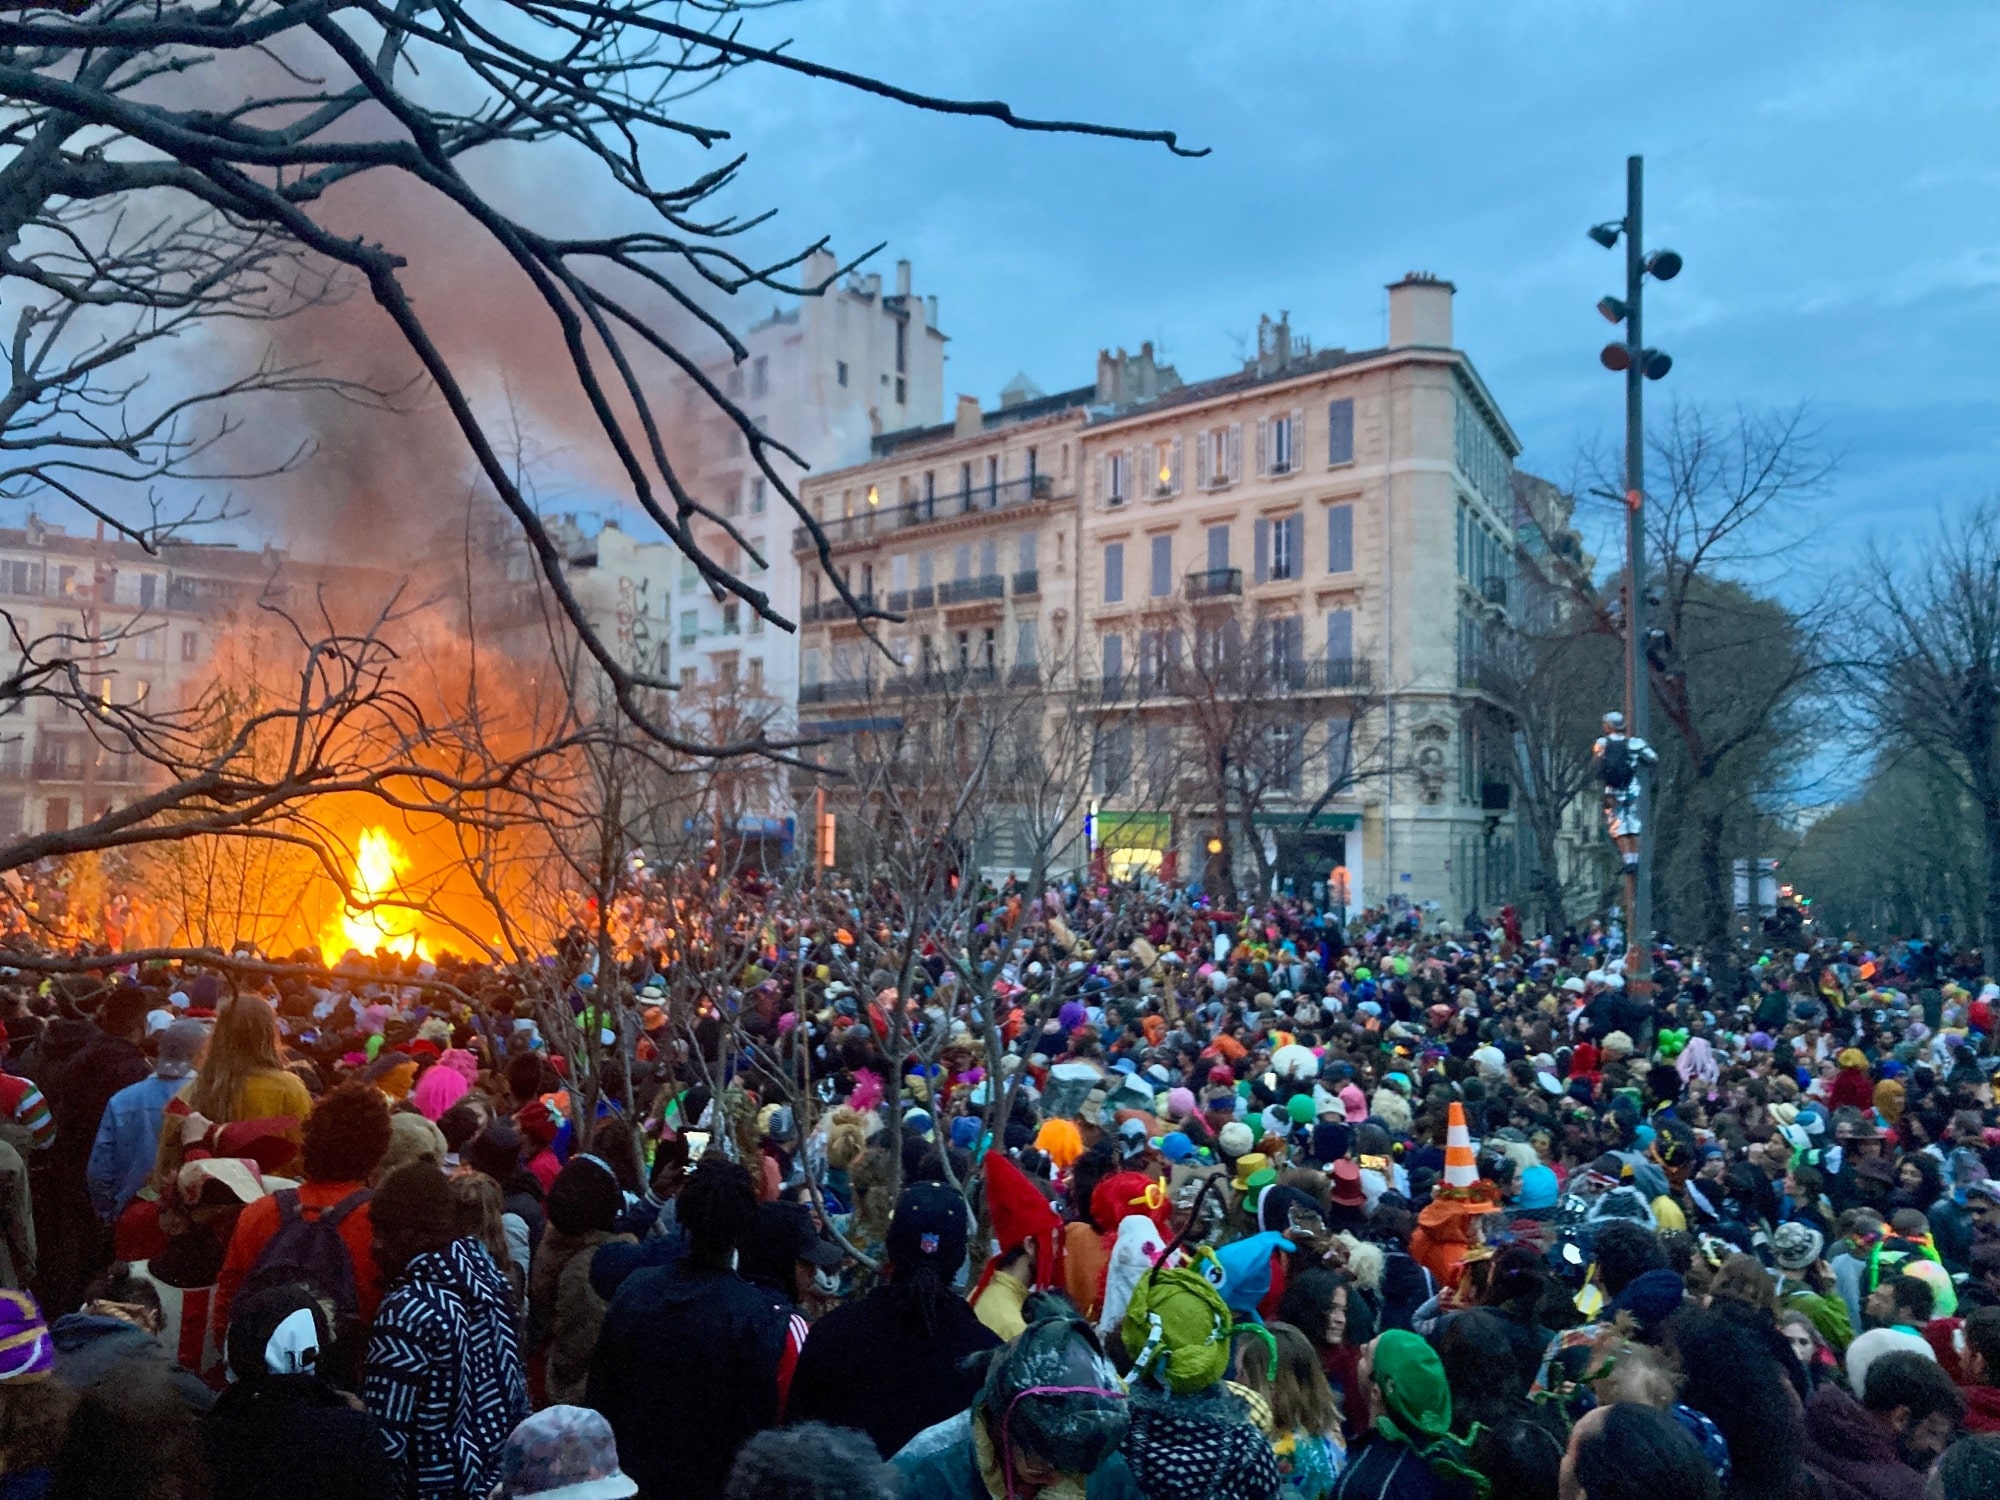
1925,630
236,120
1733,672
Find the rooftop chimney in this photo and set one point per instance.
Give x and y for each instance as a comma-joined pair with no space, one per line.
1124,378
967,423
902,278
1420,312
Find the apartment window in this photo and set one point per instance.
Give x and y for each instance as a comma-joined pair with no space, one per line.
756,623
1024,642
840,372
190,646
146,647
1163,566
1218,456
1340,539
1284,744
725,671
1279,543
732,618
760,376
992,477
1114,657
809,666
1111,763
757,673
1277,439
149,584
1033,468
930,490
1218,548
965,483
899,573
963,641
1159,756
1339,752
1114,572
732,497
733,382
58,815
1339,647
989,649
1340,431
1117,478
1165,467
1024,552
961,562
10,817
20,578
65,581
924,566
1287,649
690,627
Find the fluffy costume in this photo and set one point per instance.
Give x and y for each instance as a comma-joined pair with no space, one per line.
1392,1109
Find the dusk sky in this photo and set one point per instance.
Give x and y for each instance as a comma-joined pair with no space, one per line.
1828,173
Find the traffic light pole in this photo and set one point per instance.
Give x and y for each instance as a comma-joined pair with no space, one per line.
1638,881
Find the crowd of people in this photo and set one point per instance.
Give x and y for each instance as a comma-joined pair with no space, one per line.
1097,1194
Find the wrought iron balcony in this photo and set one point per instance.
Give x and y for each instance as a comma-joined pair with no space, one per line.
1215,583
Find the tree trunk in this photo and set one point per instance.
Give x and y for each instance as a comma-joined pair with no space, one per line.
1716,893
1548,885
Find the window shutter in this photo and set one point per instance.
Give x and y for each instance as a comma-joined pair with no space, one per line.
1097,481
1179,467
1295,536
1218,548
1340,431
1339,646
1298,459
1263,445
1235,452
1114,657
1204,460
1114,572
1143,475
1262,565
1340,539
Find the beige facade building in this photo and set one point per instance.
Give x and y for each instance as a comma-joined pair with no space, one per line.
1270,591
143,628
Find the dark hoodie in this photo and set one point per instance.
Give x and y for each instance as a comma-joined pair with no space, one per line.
1852,1452
90,1346
686,1371
280,1432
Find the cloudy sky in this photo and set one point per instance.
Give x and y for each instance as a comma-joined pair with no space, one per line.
1827,171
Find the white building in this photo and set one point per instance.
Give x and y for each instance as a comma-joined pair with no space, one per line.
824,377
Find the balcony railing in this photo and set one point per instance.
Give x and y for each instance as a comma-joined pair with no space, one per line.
915,684
883,520
967,590
1024,674
1026,582
1180,681
1215,583
851,691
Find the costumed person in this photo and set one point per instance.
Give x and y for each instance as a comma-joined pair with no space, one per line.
1027,1231
1619,757
1449,1227
1141,1210
1412,1403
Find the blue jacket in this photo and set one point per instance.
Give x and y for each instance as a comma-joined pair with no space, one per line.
128,1138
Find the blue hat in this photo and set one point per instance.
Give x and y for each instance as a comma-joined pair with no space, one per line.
1538,1189
965,1131
1176,1147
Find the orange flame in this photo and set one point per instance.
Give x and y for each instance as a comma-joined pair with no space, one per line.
379,863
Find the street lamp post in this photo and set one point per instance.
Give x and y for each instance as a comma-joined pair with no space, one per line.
1638,364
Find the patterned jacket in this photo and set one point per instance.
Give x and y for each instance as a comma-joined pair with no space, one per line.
444,1375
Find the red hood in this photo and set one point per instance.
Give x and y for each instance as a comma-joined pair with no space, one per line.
1982,1407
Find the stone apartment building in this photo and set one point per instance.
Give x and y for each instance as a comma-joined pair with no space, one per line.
1279,581
158,619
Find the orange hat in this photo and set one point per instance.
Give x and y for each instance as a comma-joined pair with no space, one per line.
1062,1141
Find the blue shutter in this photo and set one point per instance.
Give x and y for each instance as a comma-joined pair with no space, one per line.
1340,539
1340,431
1114,572
1114,657
1295,548
1339,647
1163,566
1263,551
1218,548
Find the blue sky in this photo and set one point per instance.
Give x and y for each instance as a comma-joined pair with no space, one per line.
1827,171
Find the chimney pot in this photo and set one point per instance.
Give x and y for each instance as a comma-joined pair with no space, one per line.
966,422
902,278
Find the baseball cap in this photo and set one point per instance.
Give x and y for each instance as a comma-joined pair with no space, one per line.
928,1228
808,1244
180,1047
